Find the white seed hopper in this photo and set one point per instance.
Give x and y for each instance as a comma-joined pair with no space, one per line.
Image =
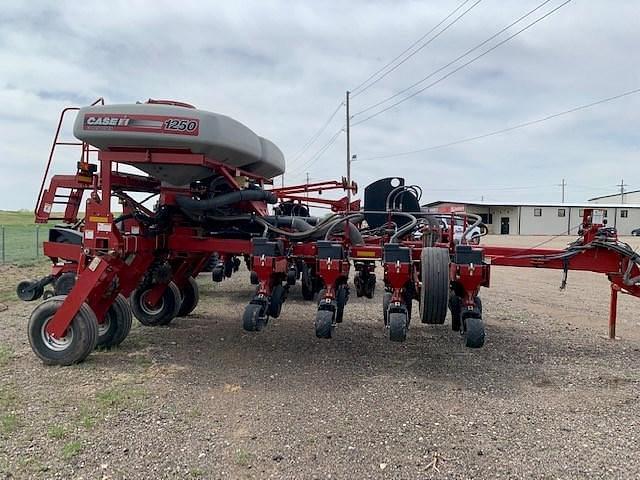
165,126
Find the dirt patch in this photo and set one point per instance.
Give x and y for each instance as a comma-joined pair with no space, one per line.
548,397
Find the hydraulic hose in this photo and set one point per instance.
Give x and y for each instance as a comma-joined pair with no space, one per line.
191,204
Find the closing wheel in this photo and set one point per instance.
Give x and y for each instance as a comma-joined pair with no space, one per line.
162,313
116,325
308,292
65,283
386,300
27,291
474,332
78,341
253,319
434,294
342,296
190,297
398,326
277,299
324,324
455,306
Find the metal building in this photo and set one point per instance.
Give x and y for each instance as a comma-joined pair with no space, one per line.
525,218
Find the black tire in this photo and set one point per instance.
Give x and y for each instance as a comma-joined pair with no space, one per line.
308,292
324,324
455,306
277,299
28,292
116,325
190,297
434,294
474,332
253,319
397,326
342,296
64,283
292,276
386,300
160,315
253,278
78,342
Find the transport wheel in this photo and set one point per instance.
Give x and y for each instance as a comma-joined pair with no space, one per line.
342,296
308,291
28,292
161,314
474,332
64,284
397,326
253,319
324,324
116,325
386,300
277,299
79,339
190,297
434,294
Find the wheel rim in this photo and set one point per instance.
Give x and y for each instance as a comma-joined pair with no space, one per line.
146,308
103,327
56,344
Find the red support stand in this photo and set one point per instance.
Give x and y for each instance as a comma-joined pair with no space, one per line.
613,311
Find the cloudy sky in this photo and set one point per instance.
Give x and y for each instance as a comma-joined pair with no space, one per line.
283,67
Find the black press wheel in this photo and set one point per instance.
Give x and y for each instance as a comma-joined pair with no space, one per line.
160,314
342,296
253,319
324,324
386,300
397,326
78,341
434,294
27,291
308,292
116,325
474,332
190,297
455,307
64,283
277,299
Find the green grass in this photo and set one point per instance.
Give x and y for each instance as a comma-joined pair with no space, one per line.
5,355
71,449
8,423
56,431
121,397
22,237
243,458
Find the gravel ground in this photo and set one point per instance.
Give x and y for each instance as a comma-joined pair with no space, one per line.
548,397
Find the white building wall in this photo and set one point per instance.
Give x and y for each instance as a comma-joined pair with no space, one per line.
548,223
510,213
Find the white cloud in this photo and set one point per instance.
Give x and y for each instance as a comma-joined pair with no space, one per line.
282,67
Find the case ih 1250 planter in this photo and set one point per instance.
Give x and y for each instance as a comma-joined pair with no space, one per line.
209,177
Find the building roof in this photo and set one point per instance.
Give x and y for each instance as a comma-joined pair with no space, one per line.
613,195
538,204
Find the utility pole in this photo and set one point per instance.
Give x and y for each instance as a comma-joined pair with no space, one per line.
622,185
563,184
348,154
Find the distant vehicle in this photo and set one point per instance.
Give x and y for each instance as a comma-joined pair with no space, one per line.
473,237
636,232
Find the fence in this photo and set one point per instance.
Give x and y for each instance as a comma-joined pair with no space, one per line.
21,243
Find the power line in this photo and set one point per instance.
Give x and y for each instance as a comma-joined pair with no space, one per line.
316,135
444,67
509,129
474,59
411,46
318,153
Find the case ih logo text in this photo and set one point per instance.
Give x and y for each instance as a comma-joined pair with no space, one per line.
106,121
